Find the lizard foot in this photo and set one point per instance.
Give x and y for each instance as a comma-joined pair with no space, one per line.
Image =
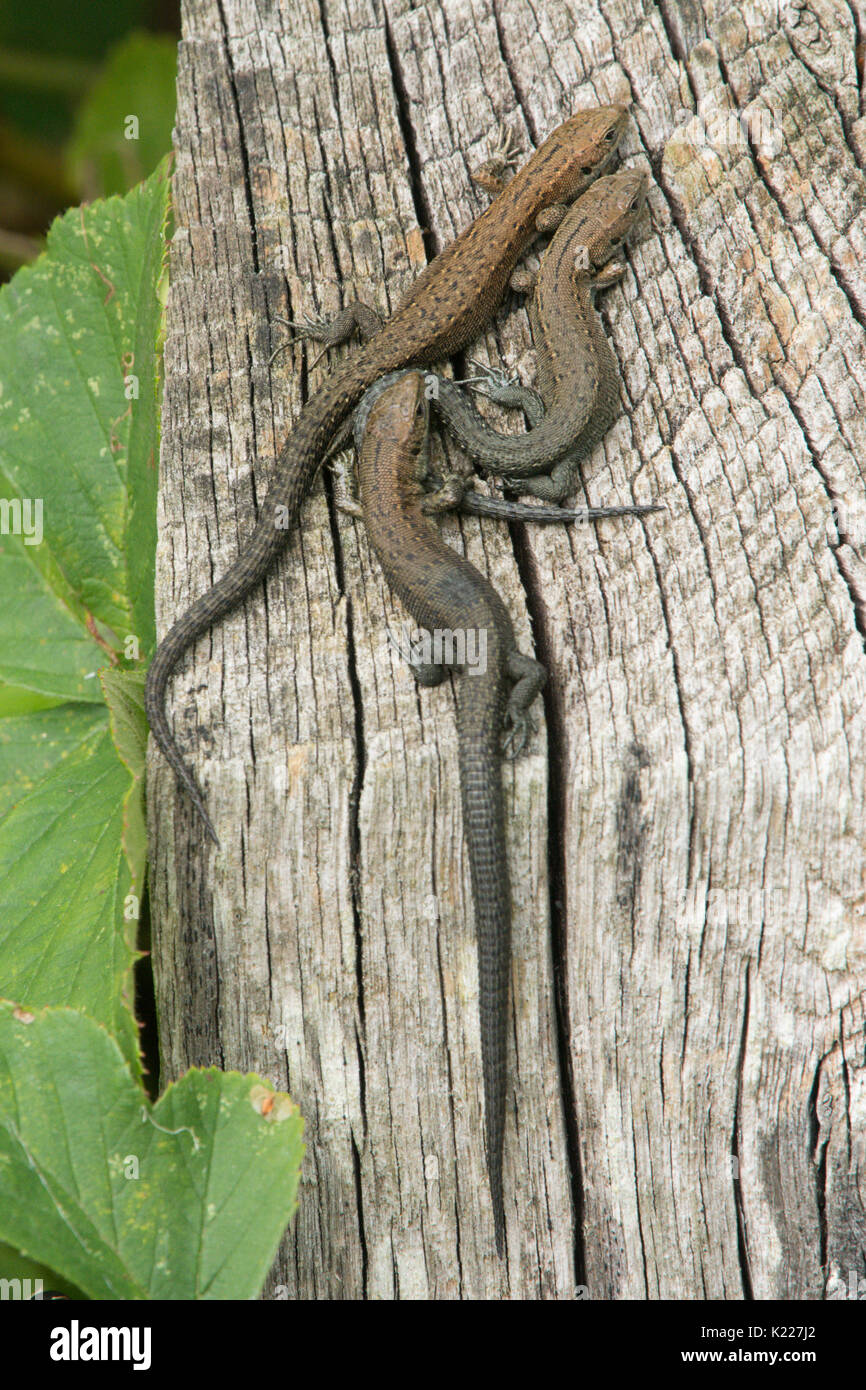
519,727
427,674
491,175
507,391
447,496
492,377
311,328
547,486
344,499
355,318
608,274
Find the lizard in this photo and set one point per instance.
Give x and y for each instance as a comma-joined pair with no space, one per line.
453,491
577,370
443,591
445,308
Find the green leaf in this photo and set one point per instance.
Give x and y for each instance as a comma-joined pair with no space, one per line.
78,444
33,744
68,925
185,1199
21,1277
134,96
78,434
16,700
124,695
44,645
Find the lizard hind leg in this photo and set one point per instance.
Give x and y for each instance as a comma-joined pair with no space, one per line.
549,487
426,673
507,391
447,495
529,677
429,673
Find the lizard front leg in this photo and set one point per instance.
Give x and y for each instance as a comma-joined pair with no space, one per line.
356,318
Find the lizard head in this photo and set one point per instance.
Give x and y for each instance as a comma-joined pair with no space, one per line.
580,149
399,413
600,221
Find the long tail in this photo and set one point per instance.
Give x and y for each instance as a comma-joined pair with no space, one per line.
249,567
484,829
478,504
297,464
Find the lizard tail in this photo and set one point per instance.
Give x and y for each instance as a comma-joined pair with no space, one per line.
484,829
299,458
196,620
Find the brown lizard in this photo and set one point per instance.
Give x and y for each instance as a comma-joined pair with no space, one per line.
445,309
577,371
444,591
448,597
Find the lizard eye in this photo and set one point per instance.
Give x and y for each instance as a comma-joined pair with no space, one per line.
610,134
635,205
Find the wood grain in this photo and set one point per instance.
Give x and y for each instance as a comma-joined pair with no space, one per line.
686,834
